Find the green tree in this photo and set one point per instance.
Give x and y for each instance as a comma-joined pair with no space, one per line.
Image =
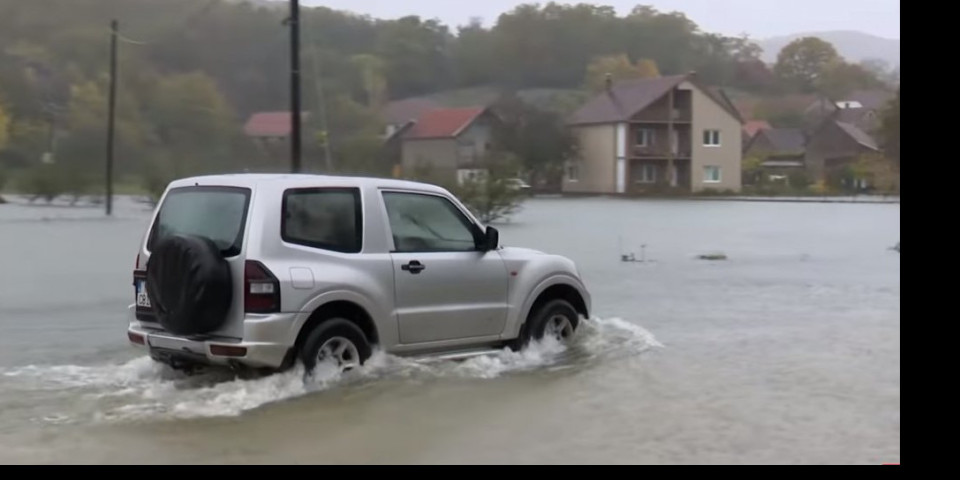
753,170
192,119
4,128
475,56
536,138
841,78
3,183
416,53
803,62
363,154
671,39
46,182
492,197
890,129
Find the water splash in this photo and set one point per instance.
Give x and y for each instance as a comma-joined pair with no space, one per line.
143,390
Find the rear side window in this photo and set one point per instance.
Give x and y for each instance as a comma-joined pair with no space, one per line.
217,213
328,219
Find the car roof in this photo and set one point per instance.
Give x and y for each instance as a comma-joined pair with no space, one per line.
254,180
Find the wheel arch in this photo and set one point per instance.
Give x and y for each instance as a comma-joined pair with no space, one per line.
557,288
344,309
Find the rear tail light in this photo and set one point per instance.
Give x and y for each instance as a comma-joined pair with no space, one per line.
228,351
261,290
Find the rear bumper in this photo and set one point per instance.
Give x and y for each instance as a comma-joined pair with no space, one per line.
267,343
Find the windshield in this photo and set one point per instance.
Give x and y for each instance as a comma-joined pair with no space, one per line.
217,213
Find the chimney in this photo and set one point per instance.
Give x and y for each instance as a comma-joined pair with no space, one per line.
609,82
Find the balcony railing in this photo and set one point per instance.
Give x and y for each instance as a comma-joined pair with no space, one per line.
638,151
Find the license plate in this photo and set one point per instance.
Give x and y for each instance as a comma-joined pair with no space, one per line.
143,300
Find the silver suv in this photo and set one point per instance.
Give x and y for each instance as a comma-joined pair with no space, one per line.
263,271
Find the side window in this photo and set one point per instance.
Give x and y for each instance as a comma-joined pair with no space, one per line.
426,223
328,219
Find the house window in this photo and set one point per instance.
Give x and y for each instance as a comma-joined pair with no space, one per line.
711,138
643,137
573,173
648,174
711,175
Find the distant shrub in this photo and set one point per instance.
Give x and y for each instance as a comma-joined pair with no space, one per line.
820,188
46,182
799,180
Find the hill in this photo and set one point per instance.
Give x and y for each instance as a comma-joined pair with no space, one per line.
854,46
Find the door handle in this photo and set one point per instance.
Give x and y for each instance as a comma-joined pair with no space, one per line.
413,267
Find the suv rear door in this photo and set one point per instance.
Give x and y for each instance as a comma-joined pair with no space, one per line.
446,287
214,212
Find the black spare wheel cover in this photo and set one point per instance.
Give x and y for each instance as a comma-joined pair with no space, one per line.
189,285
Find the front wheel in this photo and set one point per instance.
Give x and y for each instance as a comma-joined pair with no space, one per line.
556,319
337,341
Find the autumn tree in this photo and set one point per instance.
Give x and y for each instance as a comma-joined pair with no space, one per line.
371,69
803,62
618,67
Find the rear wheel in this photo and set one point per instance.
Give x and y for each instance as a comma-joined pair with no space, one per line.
556,319
337,341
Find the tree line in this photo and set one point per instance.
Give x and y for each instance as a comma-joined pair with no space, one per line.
192,71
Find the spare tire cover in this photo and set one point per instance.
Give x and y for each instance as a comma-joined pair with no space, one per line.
189,284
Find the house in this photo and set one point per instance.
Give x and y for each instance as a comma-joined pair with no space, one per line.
450,142
780,150
270,132
834,146
656,134
751,127
270,126
862,108
399,114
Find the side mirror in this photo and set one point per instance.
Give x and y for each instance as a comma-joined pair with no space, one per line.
491,240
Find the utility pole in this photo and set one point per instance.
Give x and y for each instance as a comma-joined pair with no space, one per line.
112,112
296,140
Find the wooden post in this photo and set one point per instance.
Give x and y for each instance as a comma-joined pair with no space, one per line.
296,139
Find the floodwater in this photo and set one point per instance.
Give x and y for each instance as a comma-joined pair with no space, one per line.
787,353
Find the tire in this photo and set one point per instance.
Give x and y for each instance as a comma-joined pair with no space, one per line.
328,338
545,321
190,285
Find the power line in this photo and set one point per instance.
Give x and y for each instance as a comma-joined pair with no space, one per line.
129,41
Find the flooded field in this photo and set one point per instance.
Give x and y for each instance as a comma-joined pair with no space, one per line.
788,352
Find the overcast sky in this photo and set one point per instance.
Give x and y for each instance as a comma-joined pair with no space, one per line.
759,18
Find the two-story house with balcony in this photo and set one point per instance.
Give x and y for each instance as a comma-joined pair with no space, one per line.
656,135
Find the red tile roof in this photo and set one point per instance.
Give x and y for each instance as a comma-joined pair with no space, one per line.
269,124
753,126
444,123
402,111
